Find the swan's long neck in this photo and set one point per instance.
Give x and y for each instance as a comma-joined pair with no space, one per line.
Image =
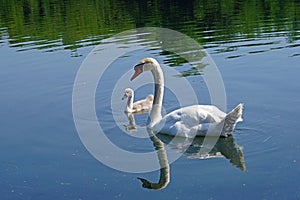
155,114
130,103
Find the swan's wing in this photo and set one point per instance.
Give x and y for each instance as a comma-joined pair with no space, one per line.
183,120
143,104
139,102
198,114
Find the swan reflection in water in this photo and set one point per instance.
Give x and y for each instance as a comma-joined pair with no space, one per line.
224,147
131,127
164,177
191,148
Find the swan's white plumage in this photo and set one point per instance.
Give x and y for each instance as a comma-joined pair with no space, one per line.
193,120
188,121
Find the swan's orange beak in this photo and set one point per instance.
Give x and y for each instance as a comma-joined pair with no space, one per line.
138,69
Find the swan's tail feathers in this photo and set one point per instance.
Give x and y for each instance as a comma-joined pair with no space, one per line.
231,119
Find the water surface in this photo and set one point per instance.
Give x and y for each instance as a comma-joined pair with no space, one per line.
255,45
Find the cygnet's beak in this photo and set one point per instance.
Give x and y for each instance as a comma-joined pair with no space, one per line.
138,69
124,97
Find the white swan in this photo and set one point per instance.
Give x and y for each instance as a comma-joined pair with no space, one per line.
138,106
188,121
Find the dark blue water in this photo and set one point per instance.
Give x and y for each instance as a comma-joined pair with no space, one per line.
42,156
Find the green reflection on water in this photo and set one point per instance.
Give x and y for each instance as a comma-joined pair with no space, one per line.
71,24
67,23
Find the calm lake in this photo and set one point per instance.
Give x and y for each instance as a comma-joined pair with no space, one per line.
255,46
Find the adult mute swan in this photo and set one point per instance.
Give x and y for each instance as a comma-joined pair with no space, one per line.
190,121
138,106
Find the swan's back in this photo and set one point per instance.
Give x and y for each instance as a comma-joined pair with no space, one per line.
203,113
197,114
184,119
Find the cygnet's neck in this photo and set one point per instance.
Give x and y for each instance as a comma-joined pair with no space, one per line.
130,103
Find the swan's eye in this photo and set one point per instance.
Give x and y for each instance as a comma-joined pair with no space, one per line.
139,65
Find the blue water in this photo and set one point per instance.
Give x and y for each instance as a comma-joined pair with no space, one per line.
42,156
